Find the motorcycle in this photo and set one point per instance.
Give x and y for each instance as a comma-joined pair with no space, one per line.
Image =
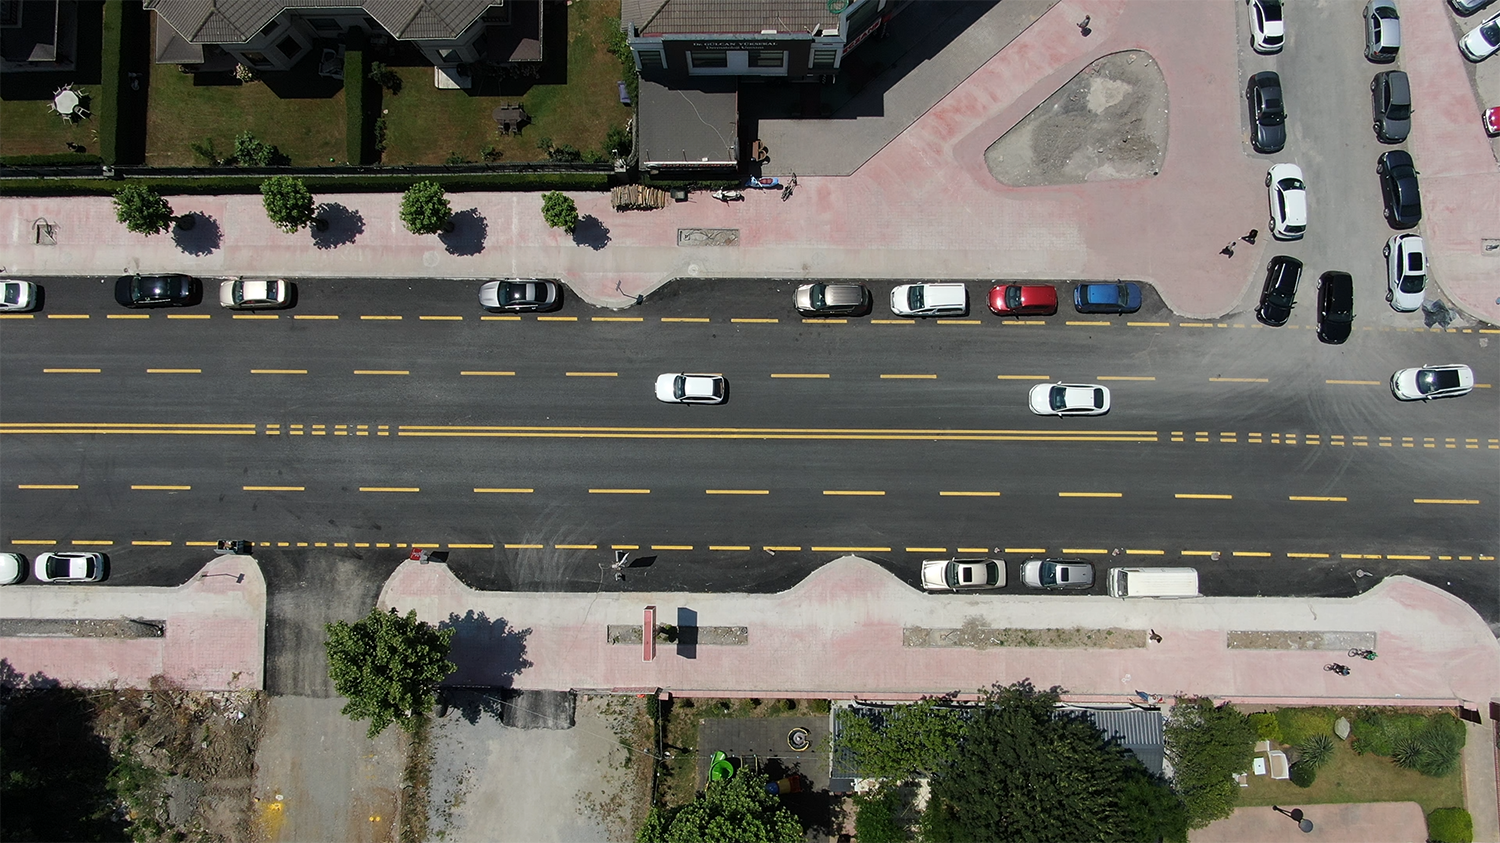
765,182
729,195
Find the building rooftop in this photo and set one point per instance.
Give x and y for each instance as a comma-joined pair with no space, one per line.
237,21
708,17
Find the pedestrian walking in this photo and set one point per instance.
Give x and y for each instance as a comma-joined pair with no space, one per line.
1155,639
1228,251
1083,26
1250,238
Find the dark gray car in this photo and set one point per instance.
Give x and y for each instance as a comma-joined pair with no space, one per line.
1267,112
1390,98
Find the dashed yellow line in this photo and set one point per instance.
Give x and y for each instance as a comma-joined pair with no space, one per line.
1083,551
616,319
1352,383
1318,498
729,547
1125,378
568,546
892,322
17,315
1081,322
316,317
927,550
174,371
160,488
852,493
671,547
909,377
128,316
484,490
382,372
188,316
1023,377
254,316
67,316
278,371
34,541
592,374
757,321
91,542
380,318
959,322
440,318
452,546
851,550
477,373
1444,500
70,371
684,319
619,491
1307,555
1026,550
736,491
1255,553
1138,552
151,544
390,488
773,548
274,488
1204,497
1090,494
818,320
525,547
47,486
798,375
1401,558
557,319
969,494
1239,380
1149,324
500,319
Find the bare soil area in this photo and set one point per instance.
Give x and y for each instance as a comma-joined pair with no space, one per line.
1108,123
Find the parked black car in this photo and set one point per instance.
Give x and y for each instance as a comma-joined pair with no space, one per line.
1280,291
1267,112
1390,99
170,290
1335,306
1398,188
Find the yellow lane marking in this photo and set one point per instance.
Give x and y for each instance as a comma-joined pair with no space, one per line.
557,319
1024,322
1444,500
624,547
1353,383
973,550
852,493
812,320
797,375
775,547
1407,558
1249,553
129,427
756,321
1090,494
33,541
619,491
274,488
255,316
1080,551
1318,498
909,377
501,319
492,374
892,322
683,319
390,488
188,316
1149,324
1205,497
927,550
729,547
1307,555
92,543
616,319
1026,550
382,372
1125,378
1239,380
525,546
46,486
128,316
499,491
736,491
201,544
959,322
1196,325
151,544
574,546
67,316
278,371
452,546
885,434
1079,322
671,547
17,315
968,494
1198,552
1022,377
161,488
1129,552
440,318
174,371
314,316
70,371
851,550
381,318
592,374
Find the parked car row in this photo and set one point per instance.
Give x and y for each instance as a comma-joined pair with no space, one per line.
950,298
1268,30
65,567
960,575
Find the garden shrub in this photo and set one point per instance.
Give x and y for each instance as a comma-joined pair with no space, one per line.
1303,775
1266,727
251,151
219,185
875,820
1316,750
819,706
112,80
1299,724
1450,825
1431,745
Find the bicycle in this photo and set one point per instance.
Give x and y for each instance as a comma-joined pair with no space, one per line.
1340,669
1358,653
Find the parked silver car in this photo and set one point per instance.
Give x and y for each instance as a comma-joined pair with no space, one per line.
1057,573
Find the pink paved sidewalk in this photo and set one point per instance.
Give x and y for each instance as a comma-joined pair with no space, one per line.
839,633
1369,822
215,641
924,207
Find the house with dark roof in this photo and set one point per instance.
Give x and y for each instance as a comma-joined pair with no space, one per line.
272,35
693,55
38,35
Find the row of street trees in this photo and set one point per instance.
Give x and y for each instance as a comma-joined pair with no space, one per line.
290,206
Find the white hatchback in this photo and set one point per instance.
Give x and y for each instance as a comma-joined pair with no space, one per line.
1429,382
1482,41
1406,272
1287,194
692,389
943,299
17,296
1267,29
1069,399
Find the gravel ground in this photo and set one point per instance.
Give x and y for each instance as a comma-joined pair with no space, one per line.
1108,123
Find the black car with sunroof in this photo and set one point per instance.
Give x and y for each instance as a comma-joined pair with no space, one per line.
1278,295
1335,306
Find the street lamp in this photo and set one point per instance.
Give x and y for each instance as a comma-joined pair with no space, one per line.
1296,815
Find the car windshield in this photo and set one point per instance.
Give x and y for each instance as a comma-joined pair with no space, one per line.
1059,398
1290,184
1490,32
914,298
1273,10
1399,111
1049,573
1433,380
816,296
679,386
1012,297
12,294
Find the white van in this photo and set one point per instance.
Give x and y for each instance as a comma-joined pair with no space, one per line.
1153,582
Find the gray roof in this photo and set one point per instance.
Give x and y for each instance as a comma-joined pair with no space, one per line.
691,126
238,21
711,17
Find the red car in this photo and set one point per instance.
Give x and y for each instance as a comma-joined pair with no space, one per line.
1027,300
1492,121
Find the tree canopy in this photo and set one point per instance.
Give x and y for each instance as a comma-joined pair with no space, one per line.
560,211
388,667
425,208
902,742
141,209
1023,770
1207,745
736,810
288,202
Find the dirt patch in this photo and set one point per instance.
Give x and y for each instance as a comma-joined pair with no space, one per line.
82,628
1107,123
974,634
682,740
1292,639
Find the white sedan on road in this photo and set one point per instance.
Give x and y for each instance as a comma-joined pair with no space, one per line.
1483,40
1069,399
263,294
1406,272
963,574
1288,197
17,296
70,567
692,389
1429,382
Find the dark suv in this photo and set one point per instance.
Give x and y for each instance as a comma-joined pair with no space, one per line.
1398,188
1276,297
1335,306
171,290
1390,99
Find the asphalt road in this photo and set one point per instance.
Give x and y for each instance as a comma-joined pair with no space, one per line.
1287,458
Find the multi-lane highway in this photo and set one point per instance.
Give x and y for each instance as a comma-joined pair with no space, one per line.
378,415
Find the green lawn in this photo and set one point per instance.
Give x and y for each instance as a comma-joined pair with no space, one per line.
425,125
1348,777
308,126
31,129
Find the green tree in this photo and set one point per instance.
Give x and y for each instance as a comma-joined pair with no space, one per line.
288,203
387,666
877,817
1208,744
904,741
142,209
425,208
1026,771
736,810
560,211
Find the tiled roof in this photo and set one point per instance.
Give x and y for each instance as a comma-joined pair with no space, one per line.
237,21
714,17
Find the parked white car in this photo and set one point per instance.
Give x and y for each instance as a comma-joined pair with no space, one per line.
1483,40
70,566
1267,29
17,296
941,299
1406,272
1287,194
12,568
1429,382
259,294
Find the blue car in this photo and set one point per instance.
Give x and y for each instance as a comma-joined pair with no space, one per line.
1120,297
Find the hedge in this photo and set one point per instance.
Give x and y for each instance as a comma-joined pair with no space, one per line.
63,159
223,185
1450,825
356,129
111,81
